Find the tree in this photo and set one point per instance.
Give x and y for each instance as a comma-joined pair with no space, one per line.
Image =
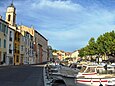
54,50
92,46
104,45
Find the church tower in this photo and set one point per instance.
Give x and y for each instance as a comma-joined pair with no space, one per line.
11,14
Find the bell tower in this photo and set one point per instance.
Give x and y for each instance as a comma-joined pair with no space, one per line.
11,14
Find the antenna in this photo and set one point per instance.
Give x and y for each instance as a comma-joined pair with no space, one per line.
12,1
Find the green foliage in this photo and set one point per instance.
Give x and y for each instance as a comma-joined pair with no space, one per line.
54,50
104,45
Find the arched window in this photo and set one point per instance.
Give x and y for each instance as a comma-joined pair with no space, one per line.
9,17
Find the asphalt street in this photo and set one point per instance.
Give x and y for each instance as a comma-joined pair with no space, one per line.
31,75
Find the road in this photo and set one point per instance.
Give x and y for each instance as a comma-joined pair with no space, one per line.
21,76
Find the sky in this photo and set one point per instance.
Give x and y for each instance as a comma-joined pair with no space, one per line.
67,24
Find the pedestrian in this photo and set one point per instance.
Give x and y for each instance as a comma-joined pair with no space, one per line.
100,84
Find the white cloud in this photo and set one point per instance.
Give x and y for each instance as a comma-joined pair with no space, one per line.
65,24
56,4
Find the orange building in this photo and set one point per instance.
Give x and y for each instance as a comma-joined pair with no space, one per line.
17,59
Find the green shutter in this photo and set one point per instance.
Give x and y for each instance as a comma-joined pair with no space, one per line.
4,43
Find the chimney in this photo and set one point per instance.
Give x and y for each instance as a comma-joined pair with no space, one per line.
0,17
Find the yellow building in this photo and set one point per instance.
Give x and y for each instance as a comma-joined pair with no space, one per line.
17,59
3,41
67,55
22,47
60,54
27,29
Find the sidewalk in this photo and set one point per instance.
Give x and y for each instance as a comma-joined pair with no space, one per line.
47,80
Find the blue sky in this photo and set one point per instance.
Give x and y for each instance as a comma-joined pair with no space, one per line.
67,24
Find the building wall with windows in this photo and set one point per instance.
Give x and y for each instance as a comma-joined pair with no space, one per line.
3,41
29,57
31,50
22,47
10,46
26,48
17,59
29,44
41,47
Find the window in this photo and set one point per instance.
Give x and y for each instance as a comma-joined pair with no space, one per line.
3,28
10,50
9,16
22,48
10,46
0,42
14,19
10,37
4,43
10,33
17,59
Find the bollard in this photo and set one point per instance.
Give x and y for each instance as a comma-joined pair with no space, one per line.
91,81
100,83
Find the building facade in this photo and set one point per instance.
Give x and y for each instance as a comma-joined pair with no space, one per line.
22,48
41,47
20,44
10,46
28,34
75,56
3,41
17,59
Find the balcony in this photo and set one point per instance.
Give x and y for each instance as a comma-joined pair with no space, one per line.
10,51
